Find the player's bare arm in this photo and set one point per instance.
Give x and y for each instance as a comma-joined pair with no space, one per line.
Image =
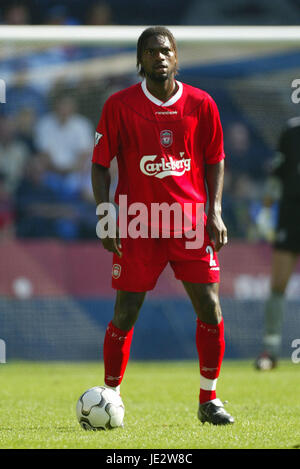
101,185
216,228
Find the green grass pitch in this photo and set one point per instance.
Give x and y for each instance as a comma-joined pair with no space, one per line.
37,406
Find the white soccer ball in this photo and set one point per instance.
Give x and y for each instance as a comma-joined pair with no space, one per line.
100,408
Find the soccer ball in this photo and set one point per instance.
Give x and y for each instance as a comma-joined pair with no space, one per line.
100,408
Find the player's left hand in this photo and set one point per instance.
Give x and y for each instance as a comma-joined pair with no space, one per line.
217,230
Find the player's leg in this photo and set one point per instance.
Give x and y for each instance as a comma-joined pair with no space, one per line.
211,346
209,335
118,336
199,271
135,273
283,265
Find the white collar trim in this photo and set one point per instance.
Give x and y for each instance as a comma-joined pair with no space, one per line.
158,102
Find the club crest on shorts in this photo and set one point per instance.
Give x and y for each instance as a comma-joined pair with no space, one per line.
166,138
116,271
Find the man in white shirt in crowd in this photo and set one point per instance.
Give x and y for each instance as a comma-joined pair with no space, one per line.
65,139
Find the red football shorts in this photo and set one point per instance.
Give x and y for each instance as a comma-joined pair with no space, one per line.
144,259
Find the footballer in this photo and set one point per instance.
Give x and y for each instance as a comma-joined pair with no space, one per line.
168,141
283,187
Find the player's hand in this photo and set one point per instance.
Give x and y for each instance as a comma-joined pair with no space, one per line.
113,245
217,230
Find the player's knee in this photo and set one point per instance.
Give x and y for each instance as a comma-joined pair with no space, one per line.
125,319
209,300
126,314
209,309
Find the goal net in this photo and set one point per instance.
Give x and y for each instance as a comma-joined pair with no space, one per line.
56,297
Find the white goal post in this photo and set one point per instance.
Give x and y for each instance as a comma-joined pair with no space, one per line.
129,34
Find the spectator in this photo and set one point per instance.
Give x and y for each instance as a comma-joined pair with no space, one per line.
41,211
25,122
57,15
65,138
99,14
244,175
244,156
22,94
17,13
13,155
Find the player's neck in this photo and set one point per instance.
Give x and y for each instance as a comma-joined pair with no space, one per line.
162,90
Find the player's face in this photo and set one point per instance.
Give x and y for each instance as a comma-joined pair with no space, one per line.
159,58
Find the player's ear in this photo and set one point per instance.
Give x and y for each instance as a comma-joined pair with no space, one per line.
138,67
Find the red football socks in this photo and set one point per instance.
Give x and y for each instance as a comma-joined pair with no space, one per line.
116,351
211,346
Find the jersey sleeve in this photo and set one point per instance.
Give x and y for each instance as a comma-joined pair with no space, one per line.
214,146
106,145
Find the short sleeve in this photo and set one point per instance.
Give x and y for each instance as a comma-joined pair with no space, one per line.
106,144
214,147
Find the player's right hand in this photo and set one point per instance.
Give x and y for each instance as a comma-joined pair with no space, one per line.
217,230
112,245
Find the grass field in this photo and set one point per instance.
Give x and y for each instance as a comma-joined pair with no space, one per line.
37,407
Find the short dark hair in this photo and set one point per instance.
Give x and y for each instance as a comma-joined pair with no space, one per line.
149,32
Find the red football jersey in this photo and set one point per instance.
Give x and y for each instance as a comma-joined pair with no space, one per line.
161,147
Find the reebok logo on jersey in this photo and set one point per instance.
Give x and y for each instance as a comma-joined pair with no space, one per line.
162,167
97,137
166,113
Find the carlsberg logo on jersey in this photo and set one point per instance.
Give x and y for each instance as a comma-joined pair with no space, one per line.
161,168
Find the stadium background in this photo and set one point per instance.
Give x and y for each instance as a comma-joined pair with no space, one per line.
56,297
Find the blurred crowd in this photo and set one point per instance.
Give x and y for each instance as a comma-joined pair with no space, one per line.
45,160
50,12
248,164
135,12
47,130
